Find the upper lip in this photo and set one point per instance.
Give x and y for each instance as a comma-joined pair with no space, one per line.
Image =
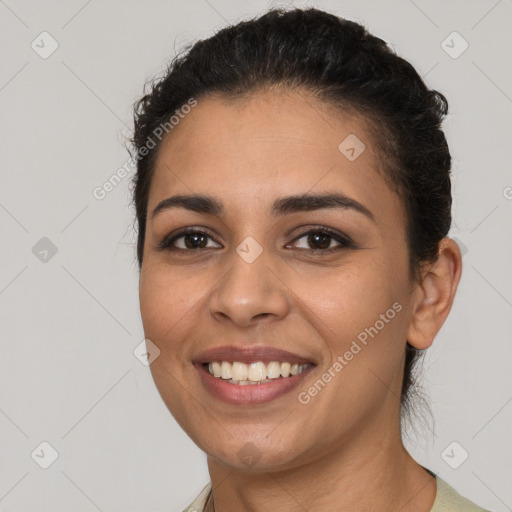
249,355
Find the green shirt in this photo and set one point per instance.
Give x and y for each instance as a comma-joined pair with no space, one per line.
447,500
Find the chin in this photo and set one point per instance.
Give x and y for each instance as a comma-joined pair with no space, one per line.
254,455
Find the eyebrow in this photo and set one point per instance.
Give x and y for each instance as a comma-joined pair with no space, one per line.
283,206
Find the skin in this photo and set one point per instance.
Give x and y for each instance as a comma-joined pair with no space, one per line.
343,450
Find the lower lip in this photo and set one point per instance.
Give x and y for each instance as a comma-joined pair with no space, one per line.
251,393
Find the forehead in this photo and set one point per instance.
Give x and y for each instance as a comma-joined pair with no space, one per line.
267,144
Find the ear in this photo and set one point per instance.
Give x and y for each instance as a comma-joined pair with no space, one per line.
434,295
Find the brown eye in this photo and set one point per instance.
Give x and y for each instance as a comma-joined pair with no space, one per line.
195,241
319,240
187,240
322,239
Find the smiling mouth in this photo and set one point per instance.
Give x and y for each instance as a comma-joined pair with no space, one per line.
257,372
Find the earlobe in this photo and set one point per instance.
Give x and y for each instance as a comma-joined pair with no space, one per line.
435,294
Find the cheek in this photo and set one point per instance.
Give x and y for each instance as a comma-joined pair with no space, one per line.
350,298
167,303
360,315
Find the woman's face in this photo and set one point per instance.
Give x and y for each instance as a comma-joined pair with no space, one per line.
263,276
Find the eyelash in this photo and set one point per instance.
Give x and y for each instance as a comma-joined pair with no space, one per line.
345,242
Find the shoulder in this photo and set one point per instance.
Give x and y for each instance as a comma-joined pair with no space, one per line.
198,504
449,500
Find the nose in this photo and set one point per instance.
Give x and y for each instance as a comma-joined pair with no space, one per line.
249,293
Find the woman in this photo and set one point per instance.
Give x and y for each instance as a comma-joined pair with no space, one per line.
293,202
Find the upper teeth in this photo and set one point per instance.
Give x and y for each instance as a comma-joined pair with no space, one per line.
254,372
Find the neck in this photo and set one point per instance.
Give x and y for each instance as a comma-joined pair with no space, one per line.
375,473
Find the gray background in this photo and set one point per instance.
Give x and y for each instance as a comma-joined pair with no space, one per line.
70,323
